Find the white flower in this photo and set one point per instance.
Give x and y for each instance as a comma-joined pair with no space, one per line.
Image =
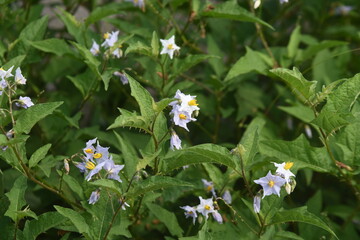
257,201
209,186
124,80
112,169
169,46
187,102
283,1
257,3
117,53
217,216
138,3
5,74
94,197
110,39
308,131
19,78
175,141
3,85
181,118
123,204
284,170
205,207
95,49
24,102
190,212
227,197
271,184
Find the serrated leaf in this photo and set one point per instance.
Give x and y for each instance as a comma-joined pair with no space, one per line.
84,81
146,160
75,217
53,45
39,155
332,121
300,215
252,61
104,11
231,10
139,47
142,96
294,42
182,65
314,49
131,120
155,44
107,183
166,217
162,104
25,213
302,88
44,222
300,152
16,198
300,111
204,153
29,117
155,183
74,27
129,154
89,59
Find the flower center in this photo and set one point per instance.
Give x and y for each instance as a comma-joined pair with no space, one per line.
190,212
182,116
288,165
209,188
89,165
192,103
106,35
88,150
97,155
207,207
170,46
271,183
1,69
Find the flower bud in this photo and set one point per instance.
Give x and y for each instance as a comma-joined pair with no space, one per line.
66,166
288,188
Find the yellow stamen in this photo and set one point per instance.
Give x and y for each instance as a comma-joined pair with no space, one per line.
288,165
90,165
182,116
209,188
88,150
190,212
106,35
207,207
192,103
271,183
97,155
170,46
2,69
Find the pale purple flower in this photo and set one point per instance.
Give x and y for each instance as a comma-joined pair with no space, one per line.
169,46
205,207
95,49
112,169
190,212
217,216
3,85
227,197
138,3
271,184
94,169
124,80
110,39
19,78
123,204
117,53
186,102
24,102
6,73
209,186
175,141
257,202
94,197
343,10
284,170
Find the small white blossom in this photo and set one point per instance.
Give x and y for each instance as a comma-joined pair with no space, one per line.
182,118
209,186
308,131
257,202
187,102
217,216
284,170
271,184
227,197
169,46
138,3
110,39
123,204
117,53
175,141
19,78
190,212
205,207
3,85
283,1
94,197
6,74
124,80
95,49
257,3
24,102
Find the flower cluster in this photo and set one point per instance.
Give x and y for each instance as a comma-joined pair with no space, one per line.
109,44
205,207
169,47
183,111
272,184
95,159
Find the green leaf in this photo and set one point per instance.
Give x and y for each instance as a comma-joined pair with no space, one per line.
74,185
154,183
162,104
204,153
34,30
74,27
166,217
146,160
89,59
300,111
16,62
182,65
294,42
29,117
302,88
300,215
314,49
53,45
39,155
332,121
75,217
155,44
44,222
129,154
131,120
231,10
252,61
16,198
300,152
101,12
139,47
84,82
142,96
107,183
26,212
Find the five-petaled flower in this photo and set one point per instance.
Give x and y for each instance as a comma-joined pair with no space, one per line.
284,170
271,184
190,212
169,46
175,141
205,207
24,102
